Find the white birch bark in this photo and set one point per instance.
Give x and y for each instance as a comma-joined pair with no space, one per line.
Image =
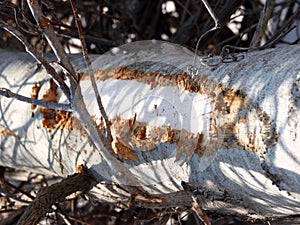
231,131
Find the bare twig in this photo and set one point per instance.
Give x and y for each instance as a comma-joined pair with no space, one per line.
90,71
77,103
73,218
4,184
262,24
199,212
54,42
185,10
37,56
121,173
276,38
15,12
112,17
284,29
51,105
271,42
236,36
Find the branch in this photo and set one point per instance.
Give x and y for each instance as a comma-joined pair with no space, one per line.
51,105
262,24
102,143
199,212
284,29
79,182
121,172
53,41
90,71
37,56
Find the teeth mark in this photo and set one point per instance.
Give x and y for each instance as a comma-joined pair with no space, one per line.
223,118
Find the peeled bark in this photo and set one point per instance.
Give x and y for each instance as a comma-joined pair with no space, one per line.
230,131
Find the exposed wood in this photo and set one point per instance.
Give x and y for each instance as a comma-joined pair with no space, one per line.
231,131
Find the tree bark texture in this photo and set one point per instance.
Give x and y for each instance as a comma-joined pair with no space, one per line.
231,131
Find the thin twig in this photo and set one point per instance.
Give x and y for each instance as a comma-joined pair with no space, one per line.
276,38
8,184
262,24
51,105
199,212
37,56
16,14
73,218
185,10
53,41
112,17
90,71
267,45
284,28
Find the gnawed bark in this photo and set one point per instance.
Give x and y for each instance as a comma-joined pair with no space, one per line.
231,131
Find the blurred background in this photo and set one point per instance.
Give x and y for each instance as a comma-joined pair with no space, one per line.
110,23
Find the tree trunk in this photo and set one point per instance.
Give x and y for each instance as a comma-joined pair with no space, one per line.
229,130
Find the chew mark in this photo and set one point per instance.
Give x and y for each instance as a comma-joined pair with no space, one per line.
122,150
182,80
131,135
35,92
188,143
243,125
53,119
79,169
140,132
99,122
145,137
235,122
132,122
200,148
